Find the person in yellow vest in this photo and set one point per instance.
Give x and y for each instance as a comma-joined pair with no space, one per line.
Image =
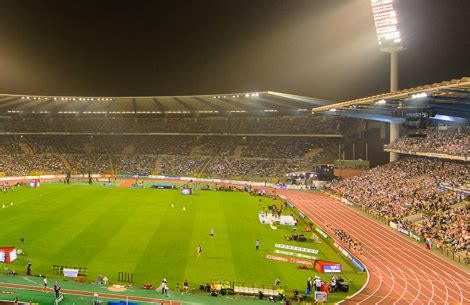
281,294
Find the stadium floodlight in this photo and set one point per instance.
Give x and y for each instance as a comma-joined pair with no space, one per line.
390,41
388,35
247,95
386,23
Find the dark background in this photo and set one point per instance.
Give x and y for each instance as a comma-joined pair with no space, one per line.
326,49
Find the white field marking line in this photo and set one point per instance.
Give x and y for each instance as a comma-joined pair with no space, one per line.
368,272
393,278
31,281
419,290
393,248
392,241
404,289
391,288
378,260
440,276
112,291
38,195
396,236
318,212
378,286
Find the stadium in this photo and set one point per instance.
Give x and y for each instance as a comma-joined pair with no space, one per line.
238,198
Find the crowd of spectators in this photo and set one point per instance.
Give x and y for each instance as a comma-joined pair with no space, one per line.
12,165
135,164
45,163
174,165
219,125
414,186
209,156
452,142
99,164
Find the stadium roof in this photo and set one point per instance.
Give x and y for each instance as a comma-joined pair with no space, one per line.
447,100
253,103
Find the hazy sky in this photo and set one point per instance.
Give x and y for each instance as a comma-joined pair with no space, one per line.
326,49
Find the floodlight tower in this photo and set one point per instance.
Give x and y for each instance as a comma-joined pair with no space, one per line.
386,23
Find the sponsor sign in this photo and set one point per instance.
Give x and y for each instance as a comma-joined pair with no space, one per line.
290,260
341,249
295,254
401,230
322,233
289,204
70,272
335,268
393,225
287,247
357,264
345,201
415,237
321,297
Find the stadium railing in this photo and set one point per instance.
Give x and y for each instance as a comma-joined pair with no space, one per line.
253,288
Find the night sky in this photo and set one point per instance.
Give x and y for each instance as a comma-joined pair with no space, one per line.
326,49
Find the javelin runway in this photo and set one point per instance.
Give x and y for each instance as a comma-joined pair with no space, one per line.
401,272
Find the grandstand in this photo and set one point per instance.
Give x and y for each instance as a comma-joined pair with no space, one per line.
259,136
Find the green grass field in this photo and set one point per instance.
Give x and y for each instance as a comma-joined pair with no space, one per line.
109,230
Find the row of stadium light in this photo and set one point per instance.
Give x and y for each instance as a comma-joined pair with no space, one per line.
67,98
19,111
143,112
236,96
419,95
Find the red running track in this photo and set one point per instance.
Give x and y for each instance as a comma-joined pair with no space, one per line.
400,271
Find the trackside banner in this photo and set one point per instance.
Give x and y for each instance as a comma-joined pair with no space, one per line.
290,260
295,254
287,247
321,232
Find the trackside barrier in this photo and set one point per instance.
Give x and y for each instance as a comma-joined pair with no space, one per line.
357,262
442,250
253,288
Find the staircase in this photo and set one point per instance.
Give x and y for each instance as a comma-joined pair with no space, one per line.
110,159
26,149
158,165
196,150
204,167
128,150
311,154
65,161
88,148
237,152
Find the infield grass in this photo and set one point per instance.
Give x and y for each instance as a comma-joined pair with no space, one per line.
108,230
